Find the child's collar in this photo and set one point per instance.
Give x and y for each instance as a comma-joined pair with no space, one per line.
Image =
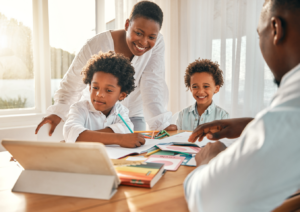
210,108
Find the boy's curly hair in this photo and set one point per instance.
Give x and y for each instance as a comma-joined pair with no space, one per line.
207,66
112,63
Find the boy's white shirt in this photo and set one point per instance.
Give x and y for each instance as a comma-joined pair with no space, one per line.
83,116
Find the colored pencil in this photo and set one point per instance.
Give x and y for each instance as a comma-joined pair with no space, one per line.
145,131
150,153
152,135
125,123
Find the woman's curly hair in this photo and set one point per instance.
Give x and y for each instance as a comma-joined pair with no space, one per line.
207,66
112,63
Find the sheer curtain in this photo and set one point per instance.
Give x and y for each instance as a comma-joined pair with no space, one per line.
220,30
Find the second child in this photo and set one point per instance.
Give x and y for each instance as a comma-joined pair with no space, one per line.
204,79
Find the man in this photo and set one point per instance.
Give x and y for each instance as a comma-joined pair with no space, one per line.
262,168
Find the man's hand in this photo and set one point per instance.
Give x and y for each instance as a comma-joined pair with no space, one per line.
171,127
131,140
226,128
208,152
52,119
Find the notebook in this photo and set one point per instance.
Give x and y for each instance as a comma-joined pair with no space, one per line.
144,175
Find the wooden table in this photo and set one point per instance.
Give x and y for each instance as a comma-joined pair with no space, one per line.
166,195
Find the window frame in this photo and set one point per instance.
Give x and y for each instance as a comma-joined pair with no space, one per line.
42,79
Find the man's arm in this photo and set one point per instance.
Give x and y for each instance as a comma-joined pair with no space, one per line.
256,173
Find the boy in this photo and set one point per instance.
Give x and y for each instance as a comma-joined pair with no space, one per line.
111,78
203,78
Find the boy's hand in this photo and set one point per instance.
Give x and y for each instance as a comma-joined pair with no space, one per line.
131,140
52,119
171,127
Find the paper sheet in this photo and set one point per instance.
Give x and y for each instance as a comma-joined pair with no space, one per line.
115,151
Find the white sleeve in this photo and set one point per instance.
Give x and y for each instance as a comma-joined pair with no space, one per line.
72,85
256,173
154,89
179,120
74,124
118,126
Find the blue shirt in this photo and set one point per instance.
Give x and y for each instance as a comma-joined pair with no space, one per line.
189,119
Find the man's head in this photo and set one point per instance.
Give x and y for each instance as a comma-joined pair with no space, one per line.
279,32
111,79
203,78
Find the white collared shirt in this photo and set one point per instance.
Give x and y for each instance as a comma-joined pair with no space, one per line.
189,119
83,116
150,97
259,170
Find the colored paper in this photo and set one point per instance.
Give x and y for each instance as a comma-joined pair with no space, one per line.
184,149
171,163
164,153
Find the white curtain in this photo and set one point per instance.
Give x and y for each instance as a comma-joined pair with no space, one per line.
220,30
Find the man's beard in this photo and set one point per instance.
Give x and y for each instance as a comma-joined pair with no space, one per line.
277,82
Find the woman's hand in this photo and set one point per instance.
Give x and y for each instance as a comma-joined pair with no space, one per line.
52,119
131,140
171,127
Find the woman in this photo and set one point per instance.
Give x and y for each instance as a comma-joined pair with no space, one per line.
144,45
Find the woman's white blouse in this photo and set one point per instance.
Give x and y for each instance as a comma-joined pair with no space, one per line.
149,98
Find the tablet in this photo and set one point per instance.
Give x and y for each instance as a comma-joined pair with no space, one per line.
79,157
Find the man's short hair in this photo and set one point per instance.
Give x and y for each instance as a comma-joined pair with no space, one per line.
207,66
112,63
285,4
148,10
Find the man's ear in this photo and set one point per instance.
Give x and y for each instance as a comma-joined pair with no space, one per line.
127,24
277,30
122,96
217,89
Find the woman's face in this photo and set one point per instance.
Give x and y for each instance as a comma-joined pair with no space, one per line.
141,34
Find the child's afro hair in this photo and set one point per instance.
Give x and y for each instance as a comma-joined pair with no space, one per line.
207,66
112,63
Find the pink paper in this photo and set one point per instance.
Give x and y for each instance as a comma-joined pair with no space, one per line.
171,163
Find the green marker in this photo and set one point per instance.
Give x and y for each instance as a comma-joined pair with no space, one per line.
125,123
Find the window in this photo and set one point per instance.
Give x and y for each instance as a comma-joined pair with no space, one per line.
110,15
17,85
67,34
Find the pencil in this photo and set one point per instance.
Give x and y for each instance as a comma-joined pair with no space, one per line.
150,153
125,123
152,135
159,133
145,131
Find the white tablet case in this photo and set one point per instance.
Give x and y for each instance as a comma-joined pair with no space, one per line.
67,169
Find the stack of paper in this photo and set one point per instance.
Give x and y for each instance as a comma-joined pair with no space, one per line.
115,151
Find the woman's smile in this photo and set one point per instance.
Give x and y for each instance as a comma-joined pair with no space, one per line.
139,48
